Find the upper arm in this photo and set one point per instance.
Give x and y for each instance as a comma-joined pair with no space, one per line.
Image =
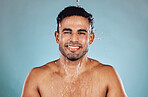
115,86
30,86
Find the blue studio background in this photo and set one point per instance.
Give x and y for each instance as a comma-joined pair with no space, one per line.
27,40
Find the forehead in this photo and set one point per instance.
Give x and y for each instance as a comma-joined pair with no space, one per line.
75,21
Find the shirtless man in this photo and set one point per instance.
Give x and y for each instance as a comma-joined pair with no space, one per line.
73,74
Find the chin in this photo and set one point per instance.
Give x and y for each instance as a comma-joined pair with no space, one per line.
74,57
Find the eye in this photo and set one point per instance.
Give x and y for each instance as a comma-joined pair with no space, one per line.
82,33
67,32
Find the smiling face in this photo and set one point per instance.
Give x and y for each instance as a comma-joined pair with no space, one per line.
74,37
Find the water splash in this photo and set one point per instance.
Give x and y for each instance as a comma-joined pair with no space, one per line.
72,85
75,74
78,4
99,35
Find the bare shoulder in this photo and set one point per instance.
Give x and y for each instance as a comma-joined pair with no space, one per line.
42,71
107,70
35,78
38,73
110,78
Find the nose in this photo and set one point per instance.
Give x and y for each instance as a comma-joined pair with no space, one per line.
74,37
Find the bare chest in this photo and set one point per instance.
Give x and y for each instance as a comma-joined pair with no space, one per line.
83,86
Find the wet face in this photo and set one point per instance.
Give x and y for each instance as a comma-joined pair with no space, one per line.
74,37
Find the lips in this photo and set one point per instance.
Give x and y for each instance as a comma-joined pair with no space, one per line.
73,48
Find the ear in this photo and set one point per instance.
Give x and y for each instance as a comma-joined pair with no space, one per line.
57,36
91,39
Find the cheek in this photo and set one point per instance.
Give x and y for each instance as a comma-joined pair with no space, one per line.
84,39
63,39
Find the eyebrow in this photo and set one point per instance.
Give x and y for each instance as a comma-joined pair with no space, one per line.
82,30
66,29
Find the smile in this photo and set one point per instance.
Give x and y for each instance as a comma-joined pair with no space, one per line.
73,48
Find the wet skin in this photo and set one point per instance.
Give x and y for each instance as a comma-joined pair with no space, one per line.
65,77
97,80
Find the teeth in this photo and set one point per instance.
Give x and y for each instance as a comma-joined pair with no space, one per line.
73,47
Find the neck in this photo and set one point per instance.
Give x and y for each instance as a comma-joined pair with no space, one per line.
73,68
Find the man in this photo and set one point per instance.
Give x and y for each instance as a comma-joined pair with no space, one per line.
73,74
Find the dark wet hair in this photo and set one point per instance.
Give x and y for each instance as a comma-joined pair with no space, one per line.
73,10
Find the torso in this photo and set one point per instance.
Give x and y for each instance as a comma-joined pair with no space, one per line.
52,83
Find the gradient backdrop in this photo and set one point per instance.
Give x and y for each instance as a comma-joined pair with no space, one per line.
27,40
